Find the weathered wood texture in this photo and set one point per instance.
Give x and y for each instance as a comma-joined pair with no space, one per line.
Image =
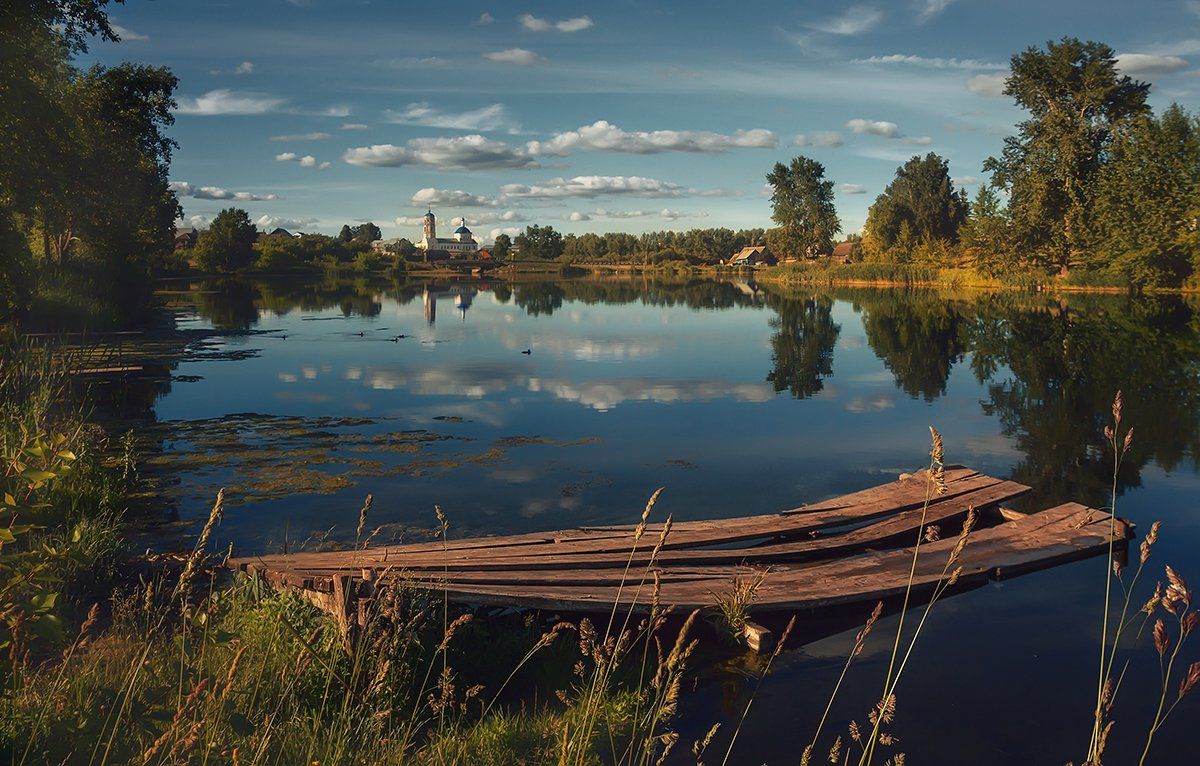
856,547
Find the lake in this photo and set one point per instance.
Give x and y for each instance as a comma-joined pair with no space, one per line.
738,398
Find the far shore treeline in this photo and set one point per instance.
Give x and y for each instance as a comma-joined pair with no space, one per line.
1094,188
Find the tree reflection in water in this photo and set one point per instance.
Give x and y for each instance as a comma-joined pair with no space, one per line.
1048,367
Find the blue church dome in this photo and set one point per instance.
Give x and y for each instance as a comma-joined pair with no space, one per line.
462,230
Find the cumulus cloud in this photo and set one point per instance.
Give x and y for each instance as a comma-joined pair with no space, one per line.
185,189
577,216
824,139
666,214
988,84
429,197
268,222
885,129
881,128
515,56
473,152
307,161
511,231
853,21
224,101
930,62
532,23
1148,63
246,67
302,137
489,117
483,218
852,189
604,136
594,186
484,19
354,126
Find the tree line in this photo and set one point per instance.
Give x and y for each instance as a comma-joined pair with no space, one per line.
1093,186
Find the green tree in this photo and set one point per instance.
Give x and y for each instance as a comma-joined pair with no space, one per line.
346,234
1143,195
986,236
501,246
228,243
923,197
366,232
1074,95
802,205
540,242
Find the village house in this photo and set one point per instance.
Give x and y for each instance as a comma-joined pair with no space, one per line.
185,238
752,255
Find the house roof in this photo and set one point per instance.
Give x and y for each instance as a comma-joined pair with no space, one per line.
748,251
842,249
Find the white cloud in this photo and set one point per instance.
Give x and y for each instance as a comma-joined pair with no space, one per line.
881,128
930,62
931,8
473,152
354,126
484,19
307,161
511,231
337,110
489,117
594,186
224,101
429,197
246,67
965,181
126,34
185,189
825,139
855,20
302,137
577,216
532,23
484,218
199,221
604,136
1148,63
988,84
515,56
268,222
666,214
852,189
916,140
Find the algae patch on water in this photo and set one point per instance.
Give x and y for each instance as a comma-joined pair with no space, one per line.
259,457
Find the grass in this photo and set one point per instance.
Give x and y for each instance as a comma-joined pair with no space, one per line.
107,660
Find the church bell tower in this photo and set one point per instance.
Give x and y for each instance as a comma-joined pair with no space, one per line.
430,227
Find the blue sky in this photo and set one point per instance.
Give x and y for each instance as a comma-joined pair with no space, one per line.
627,115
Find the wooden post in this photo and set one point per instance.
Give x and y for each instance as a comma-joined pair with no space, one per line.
757,637
341,603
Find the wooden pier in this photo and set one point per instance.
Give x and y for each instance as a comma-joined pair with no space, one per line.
853,548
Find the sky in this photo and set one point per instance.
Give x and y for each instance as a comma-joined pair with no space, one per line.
626,115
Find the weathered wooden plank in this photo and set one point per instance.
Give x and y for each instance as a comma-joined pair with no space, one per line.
1058,534
966,488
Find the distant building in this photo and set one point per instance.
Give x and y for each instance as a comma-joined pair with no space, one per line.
281,232
461,245
385,245
845,252
752,255
484,255
185,238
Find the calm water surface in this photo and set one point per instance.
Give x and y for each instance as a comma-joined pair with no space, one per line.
739,399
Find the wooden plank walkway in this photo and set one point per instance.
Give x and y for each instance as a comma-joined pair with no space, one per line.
847,549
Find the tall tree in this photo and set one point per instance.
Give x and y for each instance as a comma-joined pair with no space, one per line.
1143,196
1074,95
228,243
501,246
921,196
541,242
366,232
802,205
986,233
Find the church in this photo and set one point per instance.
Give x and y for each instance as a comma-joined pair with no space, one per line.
461,245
